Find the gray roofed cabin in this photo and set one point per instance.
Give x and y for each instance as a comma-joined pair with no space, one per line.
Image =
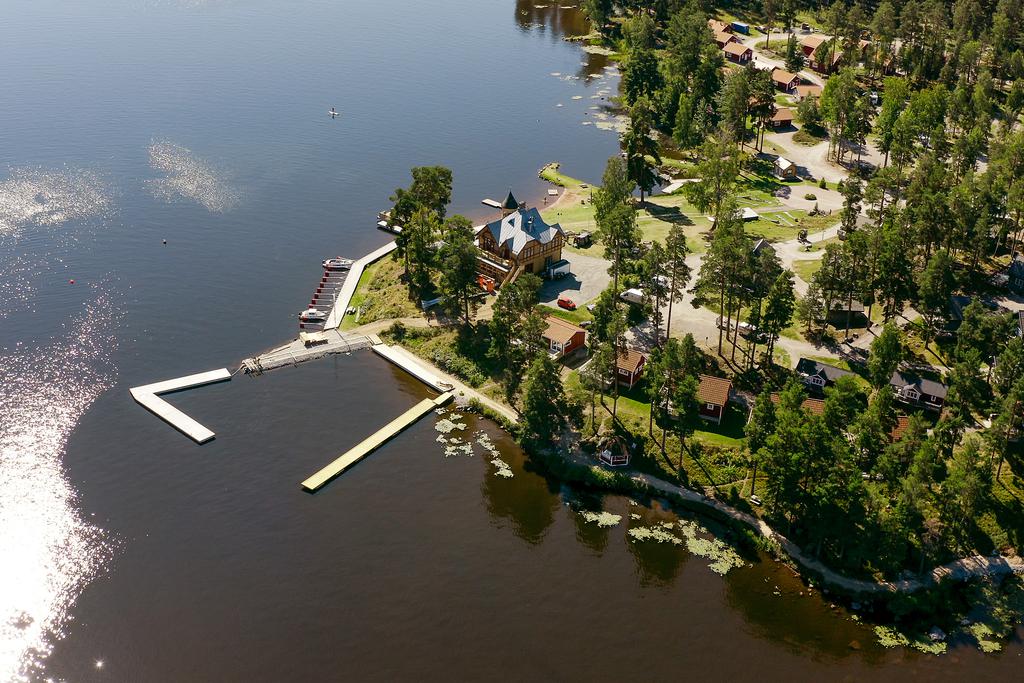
918,391
819,375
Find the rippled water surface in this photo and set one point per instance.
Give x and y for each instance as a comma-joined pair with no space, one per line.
169,182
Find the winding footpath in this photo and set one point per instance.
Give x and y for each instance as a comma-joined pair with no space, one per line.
959,570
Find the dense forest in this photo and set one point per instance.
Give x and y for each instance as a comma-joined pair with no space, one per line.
919,104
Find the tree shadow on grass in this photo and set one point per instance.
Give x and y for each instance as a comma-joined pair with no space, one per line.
669,214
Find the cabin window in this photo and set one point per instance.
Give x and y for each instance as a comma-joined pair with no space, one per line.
710,406
624,372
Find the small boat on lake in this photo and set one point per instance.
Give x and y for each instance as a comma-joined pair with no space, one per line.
337,263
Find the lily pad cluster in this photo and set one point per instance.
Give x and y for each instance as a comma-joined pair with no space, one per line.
697,539
450,428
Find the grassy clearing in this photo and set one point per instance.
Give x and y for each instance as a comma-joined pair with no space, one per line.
578,316
380,294
807,138
806,268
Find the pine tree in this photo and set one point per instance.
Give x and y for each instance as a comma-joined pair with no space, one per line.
544,403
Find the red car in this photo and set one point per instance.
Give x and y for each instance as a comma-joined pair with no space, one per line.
567,304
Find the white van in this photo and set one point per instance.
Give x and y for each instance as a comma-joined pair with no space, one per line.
633,296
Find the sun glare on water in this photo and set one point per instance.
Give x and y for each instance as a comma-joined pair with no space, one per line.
49,551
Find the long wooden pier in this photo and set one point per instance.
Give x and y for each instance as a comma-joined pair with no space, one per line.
375,441
148,397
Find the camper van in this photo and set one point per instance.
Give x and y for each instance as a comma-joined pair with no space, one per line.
633,296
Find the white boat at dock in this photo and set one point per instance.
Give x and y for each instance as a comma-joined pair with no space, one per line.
337,263
384,223
312,315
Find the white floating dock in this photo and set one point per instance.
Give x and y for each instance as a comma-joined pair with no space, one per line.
148,397
410,364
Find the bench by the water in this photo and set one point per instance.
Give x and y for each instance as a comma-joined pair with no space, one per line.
148,397
375,441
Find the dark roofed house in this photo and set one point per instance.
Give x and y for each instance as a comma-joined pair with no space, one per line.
1016,274
629,365
840,309
713,395
917,391
819,375
519,239
762,245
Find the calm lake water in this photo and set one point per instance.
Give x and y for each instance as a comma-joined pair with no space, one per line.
129,553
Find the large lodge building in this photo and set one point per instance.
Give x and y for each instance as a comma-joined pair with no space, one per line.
519,241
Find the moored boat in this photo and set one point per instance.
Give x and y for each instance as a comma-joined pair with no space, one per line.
312,315
337,263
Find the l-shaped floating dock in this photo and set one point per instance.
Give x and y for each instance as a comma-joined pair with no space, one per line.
375,441
148,396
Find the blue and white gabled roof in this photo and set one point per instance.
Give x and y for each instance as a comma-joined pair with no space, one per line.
521,227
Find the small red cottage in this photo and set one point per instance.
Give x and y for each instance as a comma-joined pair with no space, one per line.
785,81
629,367
712,395
738,53
562,337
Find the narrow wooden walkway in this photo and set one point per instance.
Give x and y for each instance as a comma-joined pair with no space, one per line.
148,397
352,281
375,441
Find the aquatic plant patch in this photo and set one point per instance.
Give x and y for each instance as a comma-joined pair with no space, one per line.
660,533
699,542
602,519
985,636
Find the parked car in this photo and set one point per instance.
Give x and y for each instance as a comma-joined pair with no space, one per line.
567,304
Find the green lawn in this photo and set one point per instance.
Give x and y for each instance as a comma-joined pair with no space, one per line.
581,314
806,268
380,294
